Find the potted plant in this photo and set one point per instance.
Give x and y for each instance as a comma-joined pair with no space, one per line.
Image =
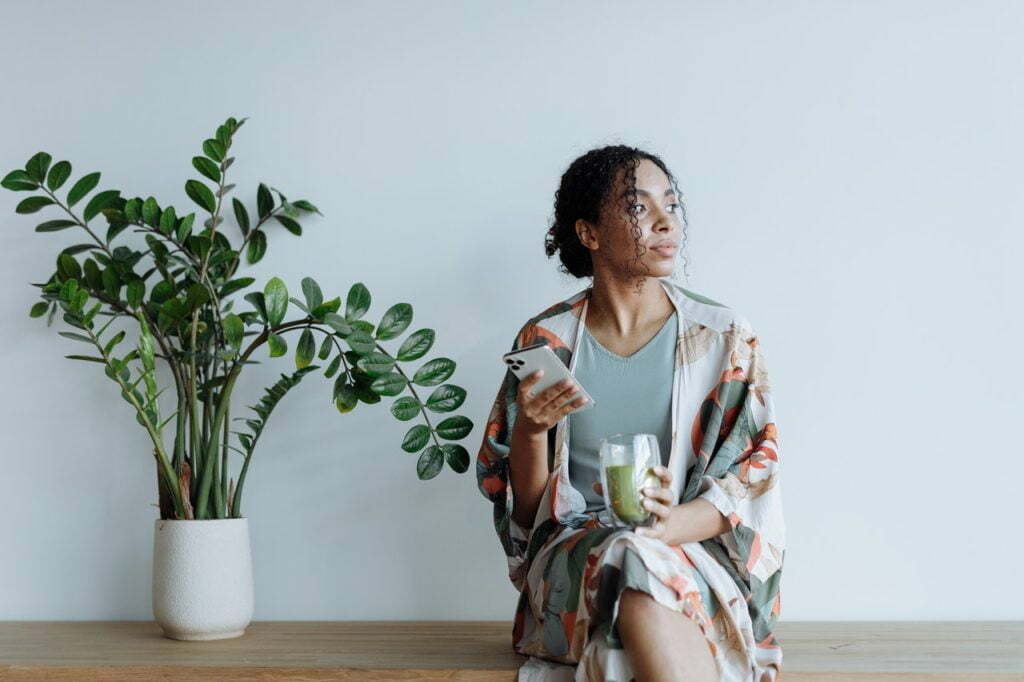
177,294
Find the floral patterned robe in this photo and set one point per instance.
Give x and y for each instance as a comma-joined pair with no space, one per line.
570,567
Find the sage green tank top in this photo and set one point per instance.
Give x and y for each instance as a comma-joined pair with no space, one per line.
631,394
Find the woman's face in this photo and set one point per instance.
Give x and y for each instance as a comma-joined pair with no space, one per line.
613,247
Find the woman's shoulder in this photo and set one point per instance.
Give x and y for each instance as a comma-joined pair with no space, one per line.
703,310
554,324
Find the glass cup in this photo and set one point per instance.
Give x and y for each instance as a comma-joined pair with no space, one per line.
627,463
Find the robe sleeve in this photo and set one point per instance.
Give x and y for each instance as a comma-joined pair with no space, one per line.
743,478
492,475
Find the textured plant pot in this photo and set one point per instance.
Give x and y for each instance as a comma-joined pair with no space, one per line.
202,578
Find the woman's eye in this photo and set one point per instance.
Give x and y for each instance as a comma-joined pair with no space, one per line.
640,206
675,205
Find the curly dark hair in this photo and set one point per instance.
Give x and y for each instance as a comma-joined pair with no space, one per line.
583,191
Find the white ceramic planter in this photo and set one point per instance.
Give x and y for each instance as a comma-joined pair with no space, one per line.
202,578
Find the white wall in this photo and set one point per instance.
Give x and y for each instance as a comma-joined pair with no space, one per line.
853,182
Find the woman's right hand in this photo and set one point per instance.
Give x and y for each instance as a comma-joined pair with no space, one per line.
538,412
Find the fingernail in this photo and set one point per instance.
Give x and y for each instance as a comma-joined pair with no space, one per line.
648,491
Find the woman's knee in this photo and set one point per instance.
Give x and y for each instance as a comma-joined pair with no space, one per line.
635,601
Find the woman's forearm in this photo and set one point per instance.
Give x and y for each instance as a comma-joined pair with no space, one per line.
528,473
697,520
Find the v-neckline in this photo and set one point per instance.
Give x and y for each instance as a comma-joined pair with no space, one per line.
679,390
643,348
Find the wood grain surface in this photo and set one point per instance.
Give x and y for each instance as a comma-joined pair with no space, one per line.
424,651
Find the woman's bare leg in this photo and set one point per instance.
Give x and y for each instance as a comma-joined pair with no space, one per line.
662,645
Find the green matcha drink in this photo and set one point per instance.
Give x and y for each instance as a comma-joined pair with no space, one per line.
625,491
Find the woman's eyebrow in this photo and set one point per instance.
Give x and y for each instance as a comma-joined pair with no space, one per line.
645,193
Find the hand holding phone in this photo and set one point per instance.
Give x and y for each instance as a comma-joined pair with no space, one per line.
543,390
540,410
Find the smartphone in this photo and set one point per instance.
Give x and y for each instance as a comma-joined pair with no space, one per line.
526,361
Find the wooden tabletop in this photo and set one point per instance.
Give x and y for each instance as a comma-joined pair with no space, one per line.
474,650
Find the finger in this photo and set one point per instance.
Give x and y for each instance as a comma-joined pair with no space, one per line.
571,405
661,510
526,384
664,474
661,494
557,394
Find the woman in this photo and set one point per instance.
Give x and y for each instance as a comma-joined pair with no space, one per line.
695,596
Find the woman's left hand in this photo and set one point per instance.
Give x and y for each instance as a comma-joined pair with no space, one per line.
659,502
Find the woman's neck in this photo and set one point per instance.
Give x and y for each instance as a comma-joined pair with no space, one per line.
615,306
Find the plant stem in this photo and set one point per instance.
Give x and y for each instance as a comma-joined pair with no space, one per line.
408,382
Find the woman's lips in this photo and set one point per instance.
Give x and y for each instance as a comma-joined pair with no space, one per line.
665,251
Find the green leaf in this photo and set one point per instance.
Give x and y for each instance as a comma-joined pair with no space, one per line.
361,342
388,384
58,175
111,282
306,348
430,463
345,396
264,201
405,408
168,221
150,211
259,302
457,457
416,345
325,347
67,267
77,337
454,428
92,274
235,285
311,290
395,321
376,364
38,309
276,295
234,329
358,301
446,398
278,346
19,181
333,367
416,438
55,225
214,149
113,342
338,324
33,204
241,216
135,292
201,194
257,246
84,185
87,358
185,227
206,167
37,166
326,307
132,210
306,206
289,224
100,201
434,372
79,248
197,295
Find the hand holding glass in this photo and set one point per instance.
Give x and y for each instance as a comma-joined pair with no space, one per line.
627,467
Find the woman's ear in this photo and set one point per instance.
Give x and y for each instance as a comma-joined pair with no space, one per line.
587,235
